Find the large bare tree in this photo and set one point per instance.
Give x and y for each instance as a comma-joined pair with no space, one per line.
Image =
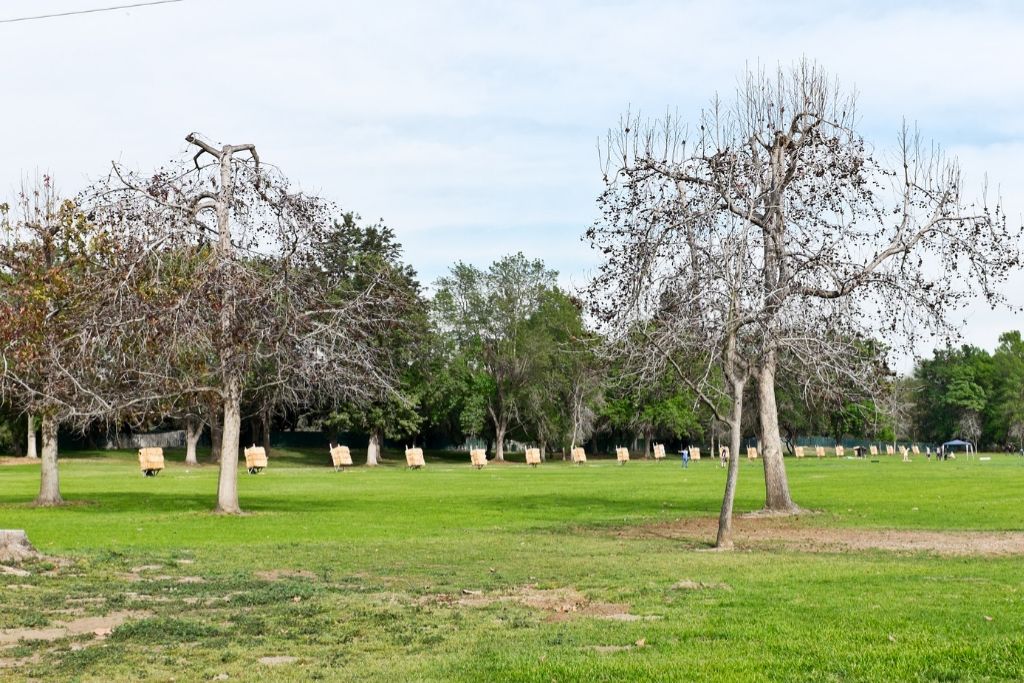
223,290
890,235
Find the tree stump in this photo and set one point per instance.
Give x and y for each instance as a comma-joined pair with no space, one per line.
14,546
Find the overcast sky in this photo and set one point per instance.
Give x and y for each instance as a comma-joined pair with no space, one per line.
471,127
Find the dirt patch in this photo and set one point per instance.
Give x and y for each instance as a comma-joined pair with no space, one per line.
278,574
560,604
278,660
793,533
98,626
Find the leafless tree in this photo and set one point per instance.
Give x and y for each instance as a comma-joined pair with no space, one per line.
893,239
220,292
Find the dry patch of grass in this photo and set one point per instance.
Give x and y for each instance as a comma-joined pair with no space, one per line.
792,533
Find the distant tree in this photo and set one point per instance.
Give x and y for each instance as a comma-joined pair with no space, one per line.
371,257
486,315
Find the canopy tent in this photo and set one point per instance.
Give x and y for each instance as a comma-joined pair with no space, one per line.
959,443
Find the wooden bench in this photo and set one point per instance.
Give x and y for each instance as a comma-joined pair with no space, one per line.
798,451
532,457
751,453
659,451
414,458
478,458
151,461
255,459
695,453
579,456
622,455
341,456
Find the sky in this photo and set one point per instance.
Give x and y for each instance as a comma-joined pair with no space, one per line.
471,128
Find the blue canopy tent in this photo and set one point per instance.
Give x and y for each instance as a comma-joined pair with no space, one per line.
958,443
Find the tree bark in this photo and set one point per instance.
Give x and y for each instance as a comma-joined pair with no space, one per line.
373,449
265,424
777,497
724,540
193,430
49,475
216,438
499,442
227,484
647,444
30,451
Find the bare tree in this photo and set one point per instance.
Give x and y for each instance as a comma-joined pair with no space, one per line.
830,221
221,279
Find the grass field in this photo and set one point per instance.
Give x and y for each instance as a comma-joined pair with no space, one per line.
560,573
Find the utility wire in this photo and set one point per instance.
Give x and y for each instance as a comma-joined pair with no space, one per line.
88,11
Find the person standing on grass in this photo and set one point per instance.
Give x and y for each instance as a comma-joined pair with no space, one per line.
685,453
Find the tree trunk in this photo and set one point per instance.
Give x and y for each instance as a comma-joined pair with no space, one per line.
193,430
724,540
373,449
647,444
227,485
543,451
499,442
777,498
30,451
216,434
265,423
49,476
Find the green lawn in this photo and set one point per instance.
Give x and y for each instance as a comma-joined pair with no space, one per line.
510,573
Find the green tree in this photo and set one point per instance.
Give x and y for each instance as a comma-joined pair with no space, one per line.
486,315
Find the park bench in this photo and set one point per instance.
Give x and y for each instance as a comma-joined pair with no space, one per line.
341,457
751,453
622,455
579,456
798,451
532,457
414,458
478,458
151,461
695,453
255,459
659,451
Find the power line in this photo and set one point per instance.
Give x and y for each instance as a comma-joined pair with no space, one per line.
88,11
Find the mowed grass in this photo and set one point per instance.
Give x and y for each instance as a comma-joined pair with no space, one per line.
368,569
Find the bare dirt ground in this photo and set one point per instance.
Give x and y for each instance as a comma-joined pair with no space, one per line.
794,533
100,627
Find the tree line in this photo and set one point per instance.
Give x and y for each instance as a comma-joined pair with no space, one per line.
758,269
